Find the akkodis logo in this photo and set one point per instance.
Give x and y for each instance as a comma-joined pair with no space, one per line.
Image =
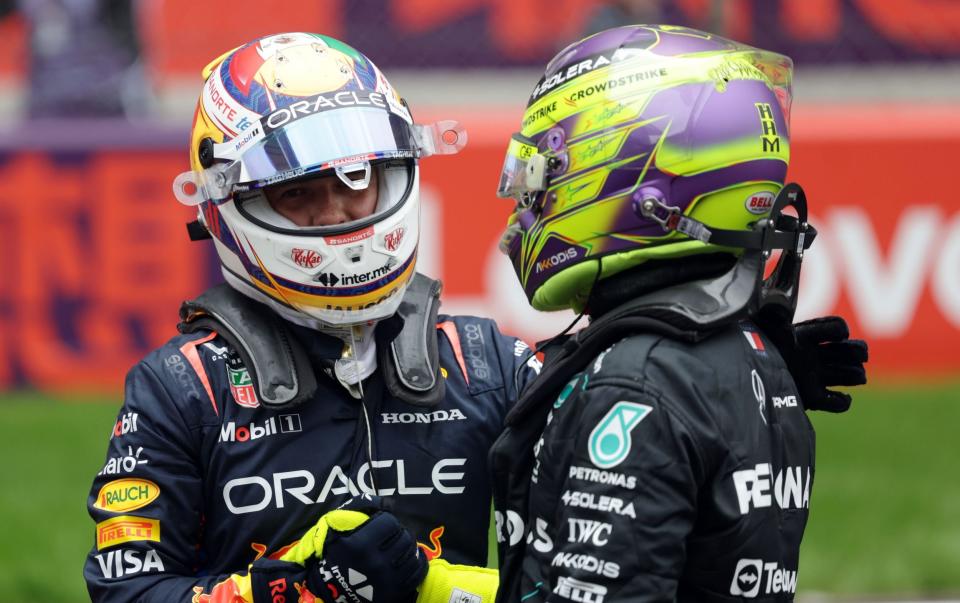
610,440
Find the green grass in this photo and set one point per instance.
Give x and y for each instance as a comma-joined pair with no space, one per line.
885,510
50,452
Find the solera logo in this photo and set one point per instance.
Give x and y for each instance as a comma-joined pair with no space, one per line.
307,258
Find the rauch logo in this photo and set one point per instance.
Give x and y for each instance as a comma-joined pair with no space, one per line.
126,495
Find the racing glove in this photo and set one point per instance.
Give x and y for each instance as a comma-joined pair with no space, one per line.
348,555
363,550
360,555
820,354
446,582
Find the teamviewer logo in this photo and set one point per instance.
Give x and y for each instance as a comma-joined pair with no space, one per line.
746,579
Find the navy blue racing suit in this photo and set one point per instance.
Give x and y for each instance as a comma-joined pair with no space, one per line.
200,480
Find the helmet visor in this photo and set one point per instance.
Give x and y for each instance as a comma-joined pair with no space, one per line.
523,168
392,180
323,140
309,144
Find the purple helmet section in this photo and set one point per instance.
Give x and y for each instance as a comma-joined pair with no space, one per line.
715,121
688,41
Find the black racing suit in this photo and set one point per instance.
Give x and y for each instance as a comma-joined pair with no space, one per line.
200,480
667,471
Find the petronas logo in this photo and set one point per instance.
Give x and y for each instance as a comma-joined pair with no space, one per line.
610,440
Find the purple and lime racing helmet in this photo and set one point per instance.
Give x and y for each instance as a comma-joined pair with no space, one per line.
629,133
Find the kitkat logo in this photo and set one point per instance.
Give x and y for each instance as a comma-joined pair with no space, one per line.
126,495
392,239
305,258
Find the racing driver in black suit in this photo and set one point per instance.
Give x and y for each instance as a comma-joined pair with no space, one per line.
664,453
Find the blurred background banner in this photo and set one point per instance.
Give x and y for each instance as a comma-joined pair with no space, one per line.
98,258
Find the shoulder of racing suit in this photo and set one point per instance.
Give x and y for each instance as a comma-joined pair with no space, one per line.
717,386
487,358
193,367
281,372
185,373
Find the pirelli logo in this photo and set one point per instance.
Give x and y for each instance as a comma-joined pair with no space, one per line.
126,528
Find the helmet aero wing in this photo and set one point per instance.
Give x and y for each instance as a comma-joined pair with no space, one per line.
297,106
639,143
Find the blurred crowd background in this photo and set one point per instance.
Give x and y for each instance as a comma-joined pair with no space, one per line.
98,97
96,102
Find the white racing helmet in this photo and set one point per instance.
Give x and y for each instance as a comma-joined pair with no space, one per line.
297,106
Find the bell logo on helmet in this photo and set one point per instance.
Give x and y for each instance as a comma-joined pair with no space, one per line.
306,258
610,440
759,203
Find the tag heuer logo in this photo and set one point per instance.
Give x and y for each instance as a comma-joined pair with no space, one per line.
610,440
241,386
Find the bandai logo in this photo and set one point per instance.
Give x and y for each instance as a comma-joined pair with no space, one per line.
759,203
392,239
307,258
